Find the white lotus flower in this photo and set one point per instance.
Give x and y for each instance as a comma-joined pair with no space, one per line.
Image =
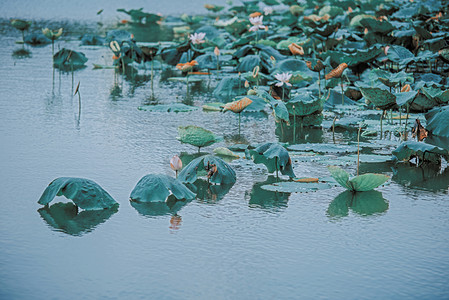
197,38
268,10
257,23
283,78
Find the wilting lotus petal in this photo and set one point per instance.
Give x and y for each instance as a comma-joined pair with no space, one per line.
296,49
336,73
187,66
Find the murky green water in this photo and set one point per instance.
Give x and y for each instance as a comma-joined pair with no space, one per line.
239,242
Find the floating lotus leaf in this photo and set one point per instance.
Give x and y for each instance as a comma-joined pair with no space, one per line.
380,98
324,148
274,157
197,136
66,58
296,187
367,158
191,79
219,172
383,27
438,121
157,188
425,152
85,193
305,104
261,198
65,217
363,203
361,183
174,107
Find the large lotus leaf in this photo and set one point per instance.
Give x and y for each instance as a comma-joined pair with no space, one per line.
292,65
222,173
274,157
363,203
422,103
85,193
283,44
197,136
92,40
405,98
361,183
400,55
157,188
436,94
380,98
68,58
280,110
361,56
356,20
305,104
65,217
174,107
248,63
230,87
425,152
374,25
262,198
438,121
296,187
324,148
270,52
120,36
332,11
207,61
392,79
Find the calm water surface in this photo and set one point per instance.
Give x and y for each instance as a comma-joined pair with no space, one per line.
241,243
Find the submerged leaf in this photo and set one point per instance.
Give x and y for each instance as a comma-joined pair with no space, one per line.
85,193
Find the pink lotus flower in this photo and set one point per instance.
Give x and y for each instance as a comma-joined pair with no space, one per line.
283,78
197,38
257,23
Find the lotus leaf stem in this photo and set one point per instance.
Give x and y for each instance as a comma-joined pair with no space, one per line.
333,129
152,78
342,95
406,121
381,117
358,149
294,125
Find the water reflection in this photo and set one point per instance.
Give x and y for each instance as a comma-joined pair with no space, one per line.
362,203
426,177
21,53
65,217
260,198
297,135
209,193
152,209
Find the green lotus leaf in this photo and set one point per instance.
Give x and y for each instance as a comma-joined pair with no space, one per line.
20,24
230,87
425,152
361,56
363,203
400,55
422,103
139,16
36,39
85,193
64,217
405,98
191,79
296,187
222,151
356,20
436,94
220,172
305,104
324,148
274,157
248,63
157,188
174,107
257,105
422,32
438,121
333,11
380,98
283,45
393,79
374,25
213,106
197,136
66,58
367,158
361,183
280,110
299,77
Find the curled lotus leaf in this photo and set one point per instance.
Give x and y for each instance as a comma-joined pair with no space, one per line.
197,136
425,152
305,104
66,58
218,171
361,183
157,188
274,157
85,193
380,98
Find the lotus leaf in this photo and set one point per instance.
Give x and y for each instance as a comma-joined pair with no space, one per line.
436,94
380,98
324,148
405,98
248,63
36,39
66,218
274,157
400,55
261,198
258,104
438,121
296,187
85,193
69,58
229,87
175,107
197,136
356,20
222,151
361,183
305,104
219,172
425,152
332,11
374,25
157,188
191,79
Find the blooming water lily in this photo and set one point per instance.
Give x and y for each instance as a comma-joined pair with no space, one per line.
197,38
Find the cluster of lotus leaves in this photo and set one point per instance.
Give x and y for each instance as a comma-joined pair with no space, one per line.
425,152
85,193
224,174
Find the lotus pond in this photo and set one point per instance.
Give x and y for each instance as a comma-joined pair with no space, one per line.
275,215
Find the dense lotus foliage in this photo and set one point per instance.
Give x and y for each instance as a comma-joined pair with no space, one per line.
327,66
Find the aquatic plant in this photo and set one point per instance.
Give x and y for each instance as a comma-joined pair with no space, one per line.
237,106
217,170
197,136
157,188
176,164
53,36
21,25
274,157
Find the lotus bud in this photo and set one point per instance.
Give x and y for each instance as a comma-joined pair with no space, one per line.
176,164
246,84
217,51
386,50
405,88
256,71
350,10
296,49
365,31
